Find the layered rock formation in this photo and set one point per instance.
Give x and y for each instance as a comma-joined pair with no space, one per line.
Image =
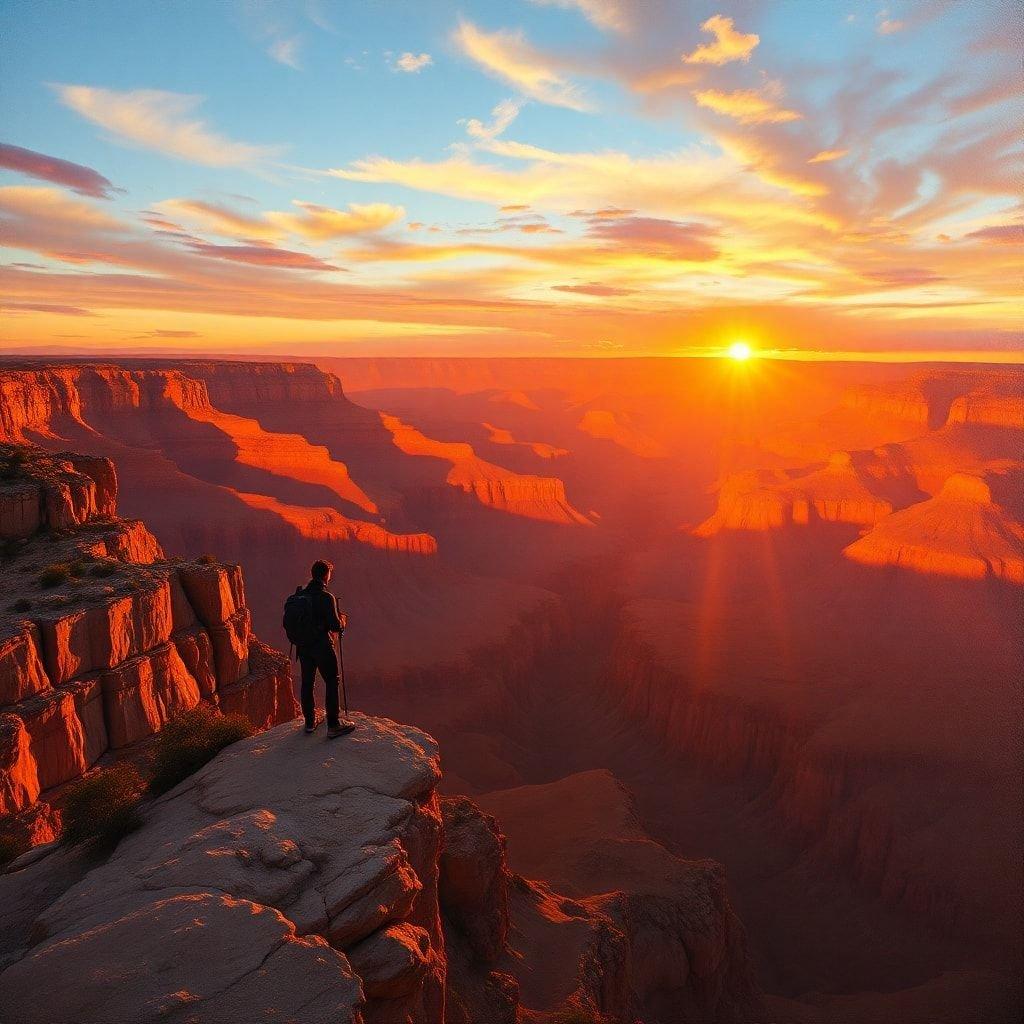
535,497
962,531
102,639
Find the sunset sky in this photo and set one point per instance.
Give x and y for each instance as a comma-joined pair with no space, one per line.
534,177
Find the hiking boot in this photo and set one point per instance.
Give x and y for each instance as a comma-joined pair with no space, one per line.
343,728
311,727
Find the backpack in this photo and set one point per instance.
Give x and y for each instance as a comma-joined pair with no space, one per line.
299,621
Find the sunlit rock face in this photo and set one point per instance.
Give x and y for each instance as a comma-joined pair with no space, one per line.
962,531
103,639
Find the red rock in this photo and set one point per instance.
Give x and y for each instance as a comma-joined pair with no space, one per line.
141,694
56,738
231,647
214,591
21,668
265,696
19,776
89,706
196,652
960,532
131,541
21,512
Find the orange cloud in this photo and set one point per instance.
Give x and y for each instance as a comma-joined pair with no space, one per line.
49,205
508,56
321,223
729,45
827,156
317,223
748,106
219,219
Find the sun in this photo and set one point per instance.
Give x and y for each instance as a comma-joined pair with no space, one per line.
740,351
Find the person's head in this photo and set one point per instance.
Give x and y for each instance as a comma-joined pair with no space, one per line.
321,571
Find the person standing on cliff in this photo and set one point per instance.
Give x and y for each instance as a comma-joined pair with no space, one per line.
312,621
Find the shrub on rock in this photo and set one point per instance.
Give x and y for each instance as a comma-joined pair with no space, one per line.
190,740
104,807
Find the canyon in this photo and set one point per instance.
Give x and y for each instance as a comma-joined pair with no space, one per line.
662,616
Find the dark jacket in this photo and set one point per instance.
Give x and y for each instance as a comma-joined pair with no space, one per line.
325,609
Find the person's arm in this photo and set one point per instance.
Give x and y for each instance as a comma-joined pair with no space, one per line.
334,622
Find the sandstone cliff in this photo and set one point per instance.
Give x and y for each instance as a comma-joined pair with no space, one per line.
962,531
102,639
535,497
852,487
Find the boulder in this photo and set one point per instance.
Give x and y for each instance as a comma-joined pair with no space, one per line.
392,961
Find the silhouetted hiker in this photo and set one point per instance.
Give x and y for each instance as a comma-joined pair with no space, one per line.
312,621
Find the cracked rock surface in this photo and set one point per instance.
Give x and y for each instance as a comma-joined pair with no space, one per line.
246,888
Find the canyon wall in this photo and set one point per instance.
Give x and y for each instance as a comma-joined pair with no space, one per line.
102,639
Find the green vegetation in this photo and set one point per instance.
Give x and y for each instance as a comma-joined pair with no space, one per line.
103,569
103,808
190,740
23,604
55,574
206,560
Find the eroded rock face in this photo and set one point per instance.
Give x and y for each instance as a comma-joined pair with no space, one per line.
103,640
292,878
960,532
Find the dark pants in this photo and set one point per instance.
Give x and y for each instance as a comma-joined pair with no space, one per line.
322,658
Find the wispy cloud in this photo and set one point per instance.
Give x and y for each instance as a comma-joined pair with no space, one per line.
321,223
729,45
219,219
502,116
748,106
161,121
264,256
83,180
286,51
509,56
827,156
309,220
887,25
607,14
411,63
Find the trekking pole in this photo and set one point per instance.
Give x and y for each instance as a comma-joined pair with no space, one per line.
341,676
